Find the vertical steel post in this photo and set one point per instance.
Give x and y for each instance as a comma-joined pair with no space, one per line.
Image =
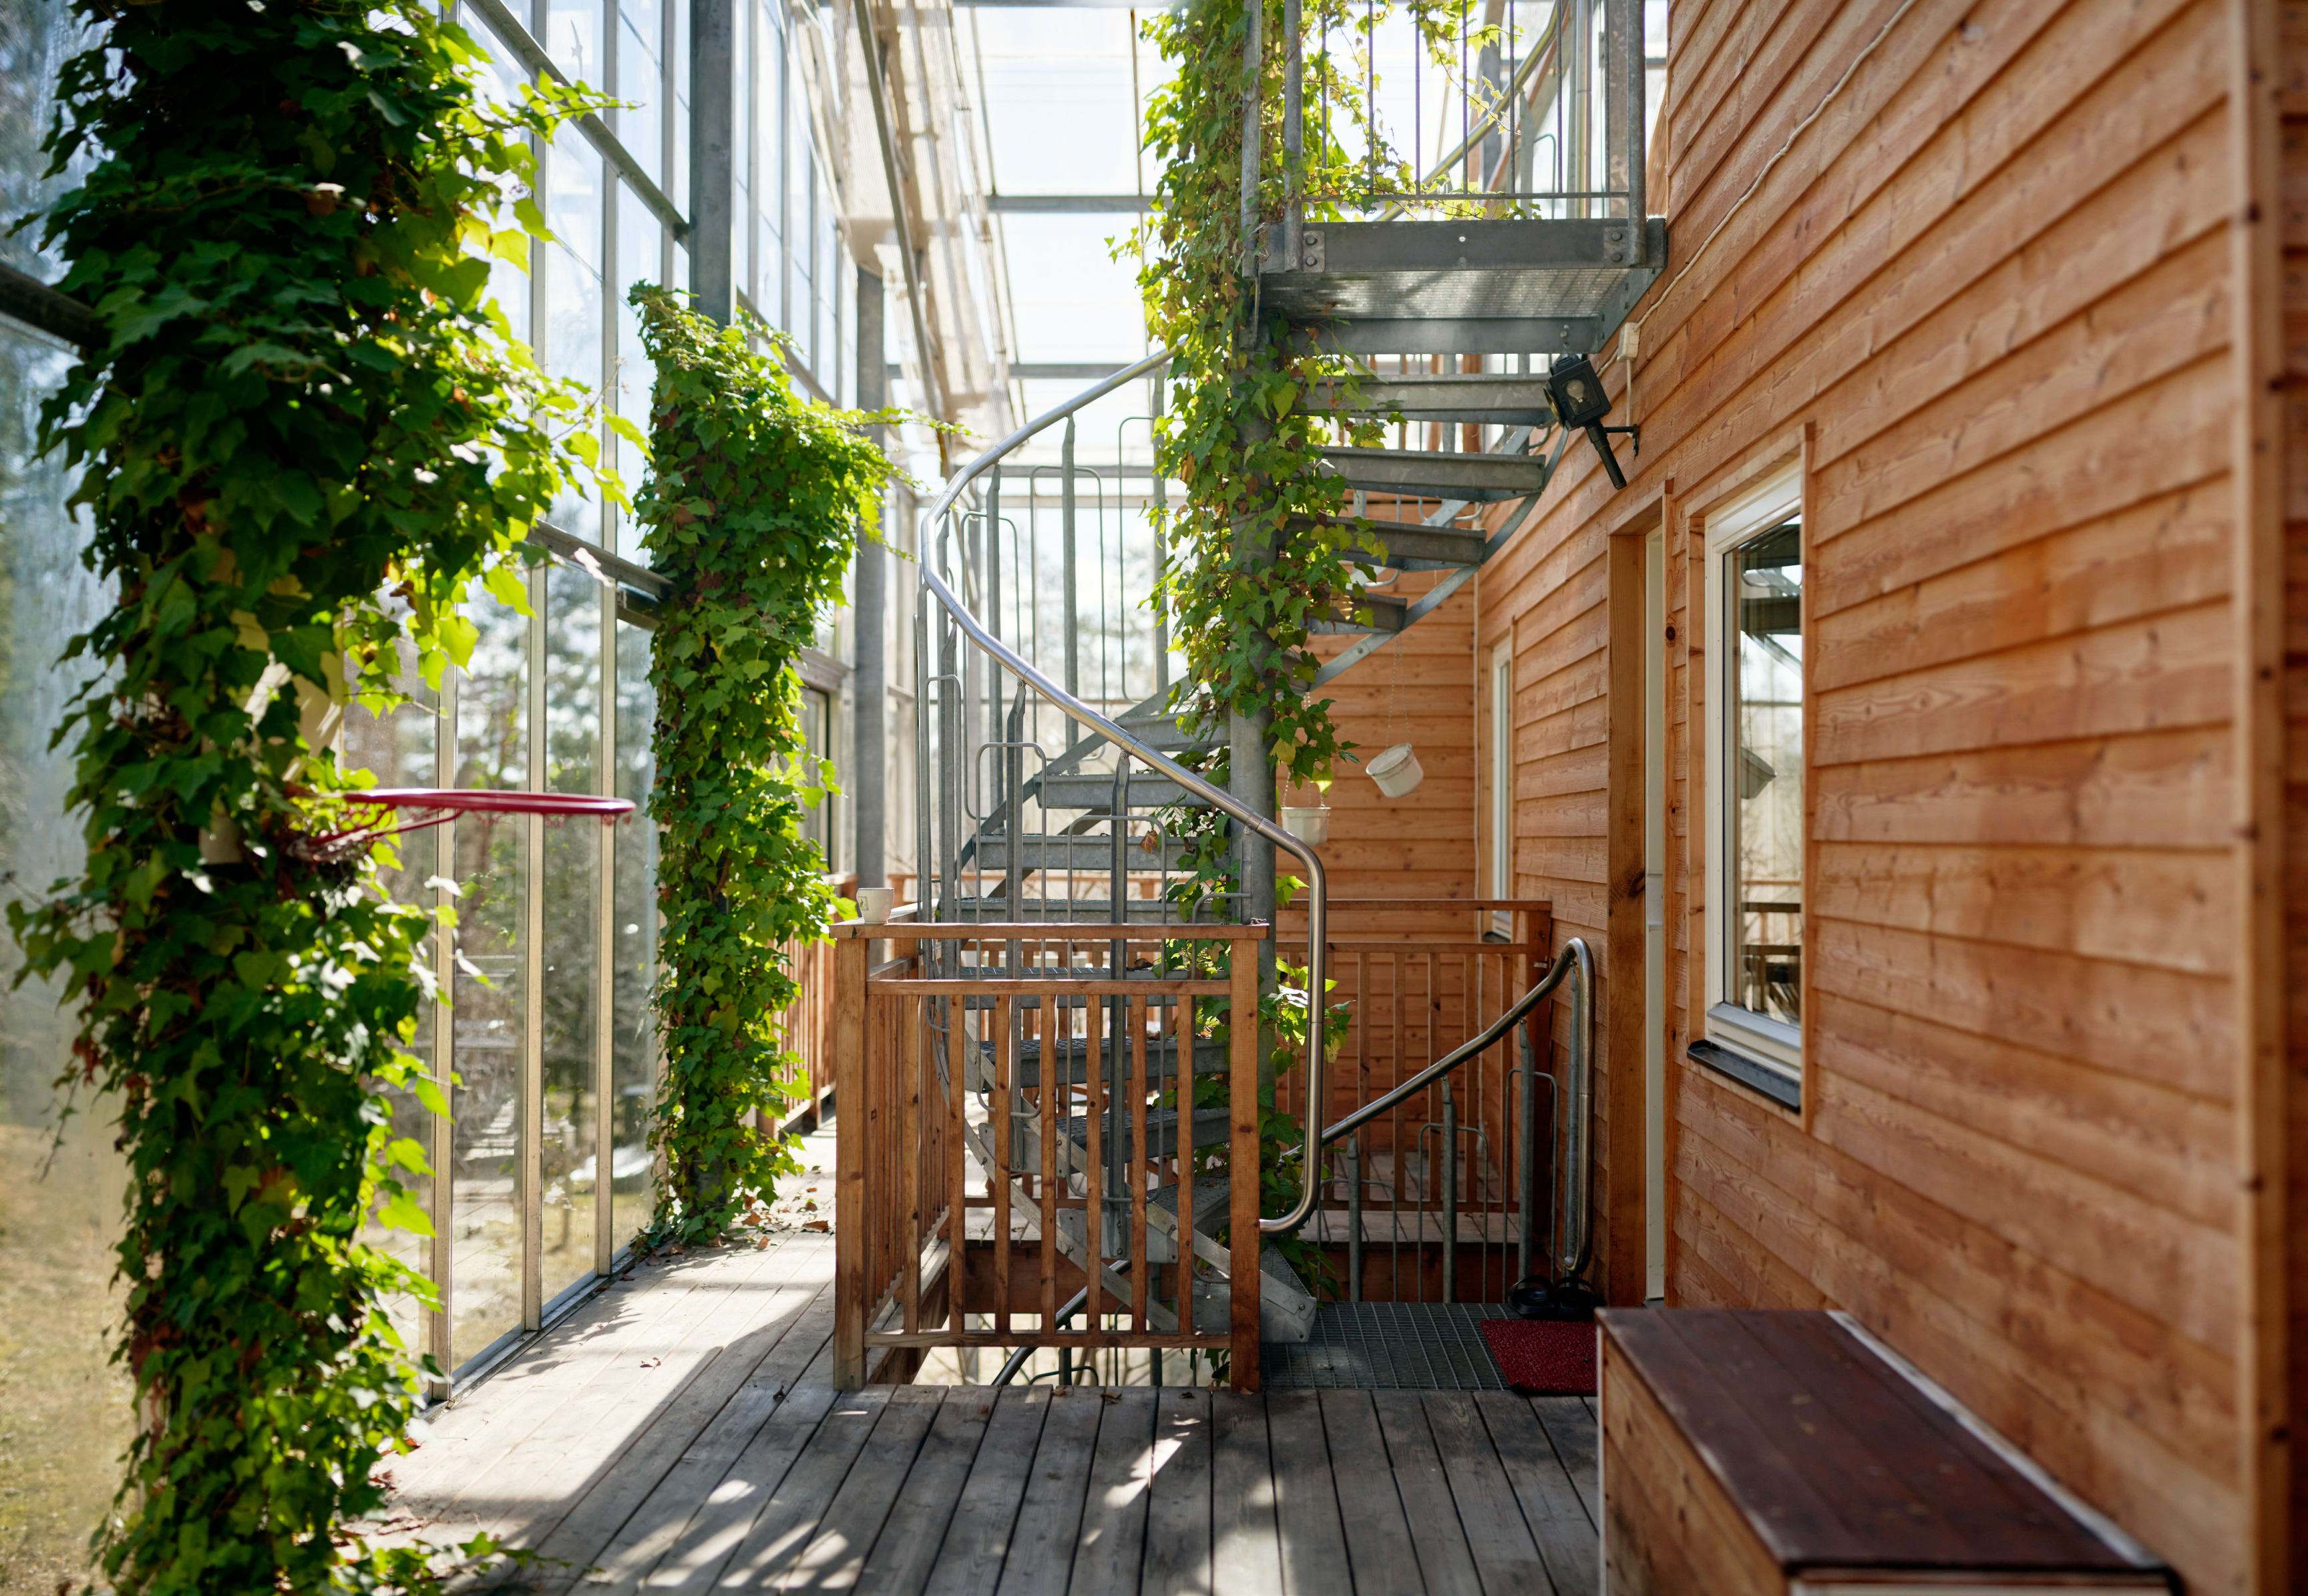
1294,134
1635,134
1450,1179
1254,12
604,949
1354,1218
870,780
443,1253
1071,576
531,1134
712,154
1161,550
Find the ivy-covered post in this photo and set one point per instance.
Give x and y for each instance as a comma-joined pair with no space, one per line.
303,431
754,499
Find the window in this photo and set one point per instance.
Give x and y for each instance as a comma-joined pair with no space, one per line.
817,737
1755,786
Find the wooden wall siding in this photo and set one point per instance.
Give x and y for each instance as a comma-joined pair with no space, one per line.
1986,296
2291,83
1422,845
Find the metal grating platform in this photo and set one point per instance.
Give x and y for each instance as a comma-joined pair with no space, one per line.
1389,1346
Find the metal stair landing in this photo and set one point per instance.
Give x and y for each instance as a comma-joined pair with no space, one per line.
1548,287
1388,1346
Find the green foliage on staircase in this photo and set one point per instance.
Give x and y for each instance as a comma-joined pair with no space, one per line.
755,500
1258,548
304,435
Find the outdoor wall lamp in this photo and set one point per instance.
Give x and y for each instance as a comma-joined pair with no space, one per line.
1579,400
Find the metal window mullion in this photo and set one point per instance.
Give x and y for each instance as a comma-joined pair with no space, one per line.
604,964
438,1341
532,977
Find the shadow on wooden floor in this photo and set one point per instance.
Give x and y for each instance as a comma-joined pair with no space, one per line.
680,1432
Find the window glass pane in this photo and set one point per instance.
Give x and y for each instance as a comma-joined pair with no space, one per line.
633,1061
500,78
800,191
490,853
573,291
770,111
747,176
400,749
1765,773
639,256
573,37
640,79
817,737
573,868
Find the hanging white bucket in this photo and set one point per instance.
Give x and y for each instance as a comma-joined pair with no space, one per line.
1397,772
1310,826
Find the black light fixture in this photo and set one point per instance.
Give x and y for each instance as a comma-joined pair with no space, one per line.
1579,400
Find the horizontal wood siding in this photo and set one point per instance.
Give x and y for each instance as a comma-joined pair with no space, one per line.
1986,297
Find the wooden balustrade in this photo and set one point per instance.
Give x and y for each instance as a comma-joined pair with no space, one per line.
1010,1138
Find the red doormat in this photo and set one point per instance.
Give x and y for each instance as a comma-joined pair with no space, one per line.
1544,1356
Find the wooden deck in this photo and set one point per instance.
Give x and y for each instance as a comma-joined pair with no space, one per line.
680,1432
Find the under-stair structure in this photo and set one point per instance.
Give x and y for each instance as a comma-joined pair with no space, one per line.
1046,809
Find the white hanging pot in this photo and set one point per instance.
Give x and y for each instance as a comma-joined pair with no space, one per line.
1310,826
1397,772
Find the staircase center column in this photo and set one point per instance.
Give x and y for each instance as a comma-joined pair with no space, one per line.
1250,761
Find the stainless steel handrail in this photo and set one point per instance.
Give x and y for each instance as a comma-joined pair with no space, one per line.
1575,958
1317,882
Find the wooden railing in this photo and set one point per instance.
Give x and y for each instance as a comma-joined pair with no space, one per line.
808,1019
1017,1124
1427,1204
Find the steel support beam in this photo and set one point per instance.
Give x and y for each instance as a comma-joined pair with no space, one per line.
868,737
712,155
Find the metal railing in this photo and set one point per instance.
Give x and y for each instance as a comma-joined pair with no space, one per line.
1549,114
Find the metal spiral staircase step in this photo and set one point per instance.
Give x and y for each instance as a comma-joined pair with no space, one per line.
1056,911
1094,790
1371,612
1476,479
1498,401
1071,1059
1043,851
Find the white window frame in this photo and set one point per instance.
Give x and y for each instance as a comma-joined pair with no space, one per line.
1755,508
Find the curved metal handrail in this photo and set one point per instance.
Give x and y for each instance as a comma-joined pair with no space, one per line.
1578,960
1317,883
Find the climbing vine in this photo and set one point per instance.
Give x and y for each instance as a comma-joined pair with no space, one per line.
303,434
755,500
1258,550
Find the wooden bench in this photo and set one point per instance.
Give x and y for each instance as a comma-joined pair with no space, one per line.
1751,1452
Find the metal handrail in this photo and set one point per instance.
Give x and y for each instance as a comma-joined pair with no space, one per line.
1576,960
1317,883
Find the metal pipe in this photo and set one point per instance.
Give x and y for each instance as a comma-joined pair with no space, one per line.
1253,14
871,751
1449,1193
1071,582
1294,134
1354,1218
712,155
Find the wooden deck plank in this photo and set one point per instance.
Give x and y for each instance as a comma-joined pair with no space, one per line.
1506,1557
1570,1424
1041,1556
803,1356
1246,1540
977,1542
520,1492
1178,1512
787,1521
720,1522
468,1439
1445,1559
835,1555
1551,1503
906,1551
1111,1544
1379,1547
659,1440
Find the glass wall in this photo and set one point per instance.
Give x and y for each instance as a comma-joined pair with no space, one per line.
64,1408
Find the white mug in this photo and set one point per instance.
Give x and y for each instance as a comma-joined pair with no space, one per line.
873,904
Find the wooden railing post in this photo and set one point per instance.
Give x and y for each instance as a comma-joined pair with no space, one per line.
1242,1160
851,1244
